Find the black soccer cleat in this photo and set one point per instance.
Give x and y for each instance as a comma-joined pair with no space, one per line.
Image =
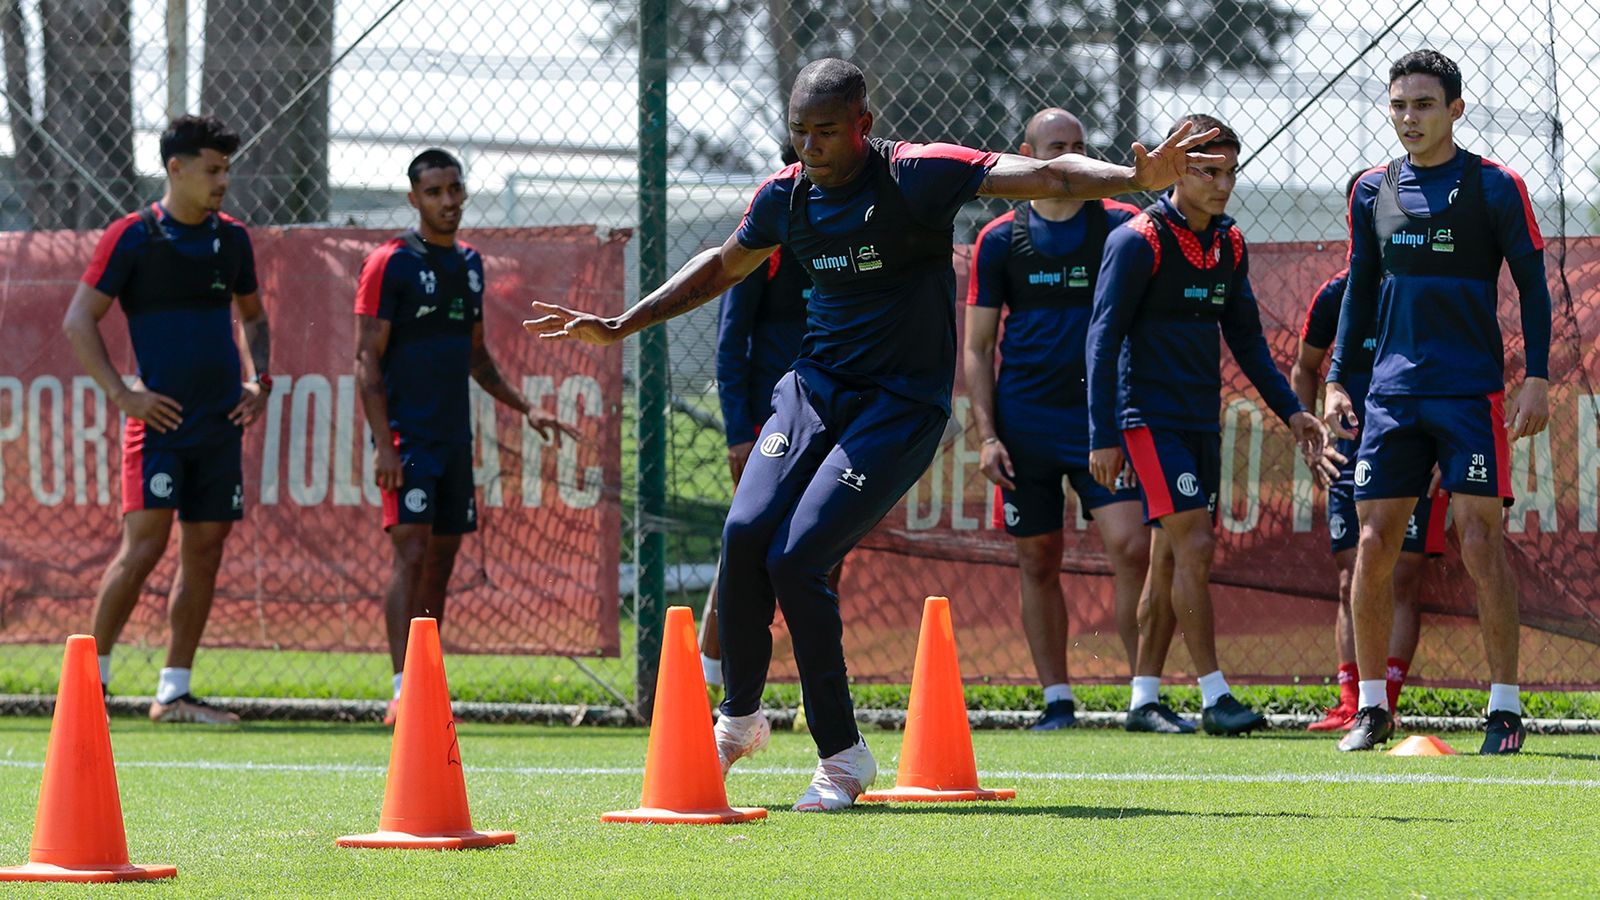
1058,715
1372,726
1157,718
1505,734
1229,717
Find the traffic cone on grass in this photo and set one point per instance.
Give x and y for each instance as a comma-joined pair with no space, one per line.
936,761
77,834
682,778
425,798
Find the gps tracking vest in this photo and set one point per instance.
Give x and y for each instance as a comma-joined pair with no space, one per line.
1455,242
167,279
1036,280
1191,281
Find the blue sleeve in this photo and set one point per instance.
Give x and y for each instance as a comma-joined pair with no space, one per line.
1523,247
735,325
1322,319
988,286
766,221
1360,304
1241,328
246,282
937,179
1125,271
1528,273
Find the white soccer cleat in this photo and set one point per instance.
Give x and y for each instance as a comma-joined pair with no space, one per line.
741,736
840,779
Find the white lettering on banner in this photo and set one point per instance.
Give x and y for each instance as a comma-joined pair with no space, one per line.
567,481
308,472
346,492
486,442
10,422
1304,495
1541,500
961,457
916,519
89,437
535,388
272,438
1252,485
55,493
1588,463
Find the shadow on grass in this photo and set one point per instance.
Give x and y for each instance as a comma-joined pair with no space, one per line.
1104,812
1580,757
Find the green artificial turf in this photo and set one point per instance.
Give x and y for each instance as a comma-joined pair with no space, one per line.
254,812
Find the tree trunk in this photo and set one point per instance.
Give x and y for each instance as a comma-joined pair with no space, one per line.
88,109
30,165
258,56
1127,122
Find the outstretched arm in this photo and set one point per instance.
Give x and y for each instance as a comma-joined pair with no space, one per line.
701,279
1077,177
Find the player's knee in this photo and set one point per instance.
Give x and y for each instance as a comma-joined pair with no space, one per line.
741,538
1377,543
141,554
1197,546
410,552
1039,560
1129,552
792,565
1482,549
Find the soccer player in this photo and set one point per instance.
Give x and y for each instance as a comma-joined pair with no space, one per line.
1424,531
179,268
1039,261
1171,278
759,329
858,419
419,337
1428,234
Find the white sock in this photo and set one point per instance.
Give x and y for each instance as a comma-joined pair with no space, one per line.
1505,696
1373,693
174,684
1057,692
1146,690
1212,688
397,677
105,669
712,669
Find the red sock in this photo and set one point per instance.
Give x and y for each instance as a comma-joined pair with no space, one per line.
1349,675
1396,677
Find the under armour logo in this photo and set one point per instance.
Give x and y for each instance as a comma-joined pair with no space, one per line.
852,479
428,280
1479,474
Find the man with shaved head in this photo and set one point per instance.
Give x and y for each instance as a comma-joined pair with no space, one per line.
1039,262
857,421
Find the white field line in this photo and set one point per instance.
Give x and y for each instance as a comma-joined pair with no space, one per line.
1109,777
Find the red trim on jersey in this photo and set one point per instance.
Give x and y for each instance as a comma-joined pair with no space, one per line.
1142,224
1502,446
106,247
1147,465
1433,534
1200,257
789,172
1311,307
132,466
1349,206
908,150
1009,215
369,291
772,263
1119,206
1527,205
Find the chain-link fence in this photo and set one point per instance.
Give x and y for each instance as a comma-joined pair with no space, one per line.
663,117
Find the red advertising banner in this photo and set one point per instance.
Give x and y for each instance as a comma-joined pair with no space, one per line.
307,566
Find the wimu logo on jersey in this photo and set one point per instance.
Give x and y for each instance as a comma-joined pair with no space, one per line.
1044,278
1408,239
1217,294
830,263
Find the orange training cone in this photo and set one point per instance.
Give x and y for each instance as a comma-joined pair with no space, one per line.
682,777
425,799
1422,745
936,761
77,835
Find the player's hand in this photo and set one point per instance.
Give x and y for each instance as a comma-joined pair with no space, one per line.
386,468
155,410
738,458
1328,464
995,463
1339,413
1106,465
252,403
549,427
1433,483
552,322
1531,413
1311,436
1159,169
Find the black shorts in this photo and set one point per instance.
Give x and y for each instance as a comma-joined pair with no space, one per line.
435,489
1038,505
204,483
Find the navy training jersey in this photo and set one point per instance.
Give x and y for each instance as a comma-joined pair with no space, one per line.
1426,246
176,284
878,251
1154,355
759,331
432,297
1044,279
1321,327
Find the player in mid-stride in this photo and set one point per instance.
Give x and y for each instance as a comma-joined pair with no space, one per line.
857,421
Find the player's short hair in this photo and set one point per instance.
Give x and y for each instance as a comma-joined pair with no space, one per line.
834,79
1430,62
432,158
1226,137
187,135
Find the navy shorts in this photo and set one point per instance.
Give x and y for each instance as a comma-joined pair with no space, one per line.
435,489
1403,438
1178,470
204,483
1424,533
1038,505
